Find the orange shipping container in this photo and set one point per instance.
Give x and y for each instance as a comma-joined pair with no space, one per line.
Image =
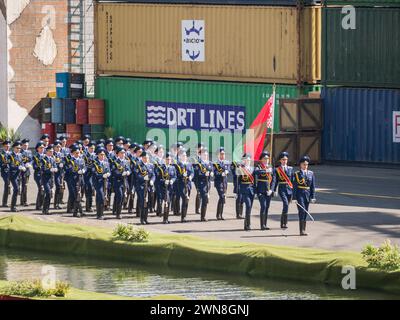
236,43
96,111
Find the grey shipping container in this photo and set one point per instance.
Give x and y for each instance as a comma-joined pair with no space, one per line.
361,124
367,56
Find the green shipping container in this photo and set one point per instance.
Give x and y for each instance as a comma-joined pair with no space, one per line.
364,3
367,56
135,106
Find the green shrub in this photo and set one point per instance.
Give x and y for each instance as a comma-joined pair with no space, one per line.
11,134
29,288
385,257
109,132
128,233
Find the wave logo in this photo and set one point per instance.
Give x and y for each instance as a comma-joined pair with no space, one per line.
193,40
156,115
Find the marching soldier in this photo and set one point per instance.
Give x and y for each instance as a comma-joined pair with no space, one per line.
246,187
89,156
202,174
200,146
110,155
27,160
100,175
45,139
149,147
183,184
264,180
303,192
85,142
59,174
158,162
37,173
144,178
238,199
132,177
5,170
221,171
49,168
74,171
119,142
284,177
120,171
16,167
64,149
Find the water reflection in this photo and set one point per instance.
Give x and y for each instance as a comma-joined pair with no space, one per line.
146,281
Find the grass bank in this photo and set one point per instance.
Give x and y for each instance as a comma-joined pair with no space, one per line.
194,253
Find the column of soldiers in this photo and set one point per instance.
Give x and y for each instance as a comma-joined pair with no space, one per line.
146,179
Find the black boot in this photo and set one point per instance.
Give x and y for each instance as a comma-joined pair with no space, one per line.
5,197
118,210
284,219
222,209
39,200
146,214
100,211
46,204
131,202
218,215
166,213
198,200
247,223
184,210
14,203
203,212
70,205
237,207
240,211
138,214
159,208
303,228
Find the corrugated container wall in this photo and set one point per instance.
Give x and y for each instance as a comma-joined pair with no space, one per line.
359,125
367,56
229,2
241,43
128,99
368,3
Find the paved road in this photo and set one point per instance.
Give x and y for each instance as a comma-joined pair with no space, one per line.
355,206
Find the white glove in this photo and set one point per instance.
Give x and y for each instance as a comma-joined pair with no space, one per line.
269,192
108,174
28,165
80,172
224,174
207,174
146,178
313,200
190,178
171,182
275,194
211,174
20,168
185,174
105,176
166,182
55,170
151,182
61,165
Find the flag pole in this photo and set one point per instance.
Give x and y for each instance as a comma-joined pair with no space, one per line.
272,124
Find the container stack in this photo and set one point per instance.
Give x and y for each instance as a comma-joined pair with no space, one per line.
361,78
68,113
150,59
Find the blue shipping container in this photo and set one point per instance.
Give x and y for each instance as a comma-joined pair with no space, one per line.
69,110
360,125
70,85
57,110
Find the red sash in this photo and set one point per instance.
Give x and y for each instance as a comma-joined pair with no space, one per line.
248,174
283,174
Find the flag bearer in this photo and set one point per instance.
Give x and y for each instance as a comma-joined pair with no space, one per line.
16,167
49,168
59,174
283,177
100,175
183,184
221,171
246,187
37,173
5,170
27,160
264,180
303,191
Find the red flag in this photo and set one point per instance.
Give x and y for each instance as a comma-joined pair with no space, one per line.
259,127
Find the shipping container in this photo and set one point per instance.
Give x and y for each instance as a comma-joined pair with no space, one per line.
234,43
95,131
60,128
57,110
82,111
96,111
73,133
70,85
45,110
300,114
367,56
361,124
364,3
69,110
228,2
49,128
131,103
309,144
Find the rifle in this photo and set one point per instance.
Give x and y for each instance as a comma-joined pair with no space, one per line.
106,199
79,192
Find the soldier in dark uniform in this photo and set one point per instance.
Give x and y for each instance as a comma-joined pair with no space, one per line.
89,156
5,170
144,179
264,184
74,171
303,191
49,168
37,173
59,174
45,139
100,174
221,171
183,184
158,162
110,155
196,158
120,171
202,174
246,187
27,161
85,142
131,180
283,177
119,142
149,147
238,199
64,149
16,167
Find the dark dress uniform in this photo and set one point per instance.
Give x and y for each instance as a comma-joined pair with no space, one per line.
238,201
37,176
110,157
183,186
27,161
58,179
303,193
202,174
221,171
264,183
144,179
165,178
132,180
16,166
49,168
119,171
100,174
246,190
5,174
89,159
284,177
